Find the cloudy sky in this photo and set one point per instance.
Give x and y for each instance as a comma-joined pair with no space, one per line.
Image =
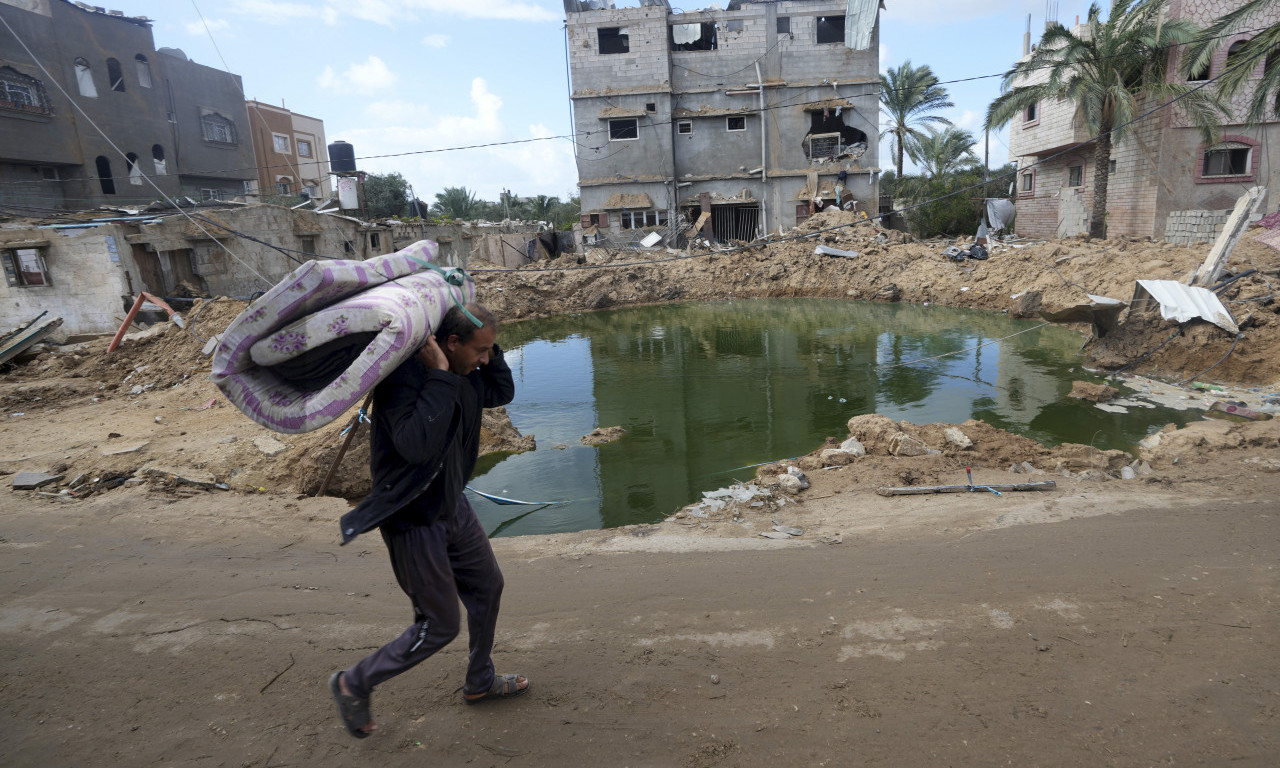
431,77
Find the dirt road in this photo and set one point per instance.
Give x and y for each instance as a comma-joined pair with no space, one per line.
139,632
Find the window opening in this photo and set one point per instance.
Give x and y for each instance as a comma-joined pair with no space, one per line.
115,75
217,128
375,240
684,127
613,40
650,107
1075,176
304,148
693,37
830,29
157,157
784,25
84,79
143,68
308,245
1226,161
347,247
829,137
280,143
21,95
211,194
624,130
24,267
1030,114
107,183
1028,181
49,173
735,123
734,25
131,165
284,185
1233,53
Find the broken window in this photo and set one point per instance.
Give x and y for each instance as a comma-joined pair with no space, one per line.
18,91
829,137
734,25
143,68
25,266
735,123
1230,159
131,166
624,130
157,157
217,128
684,127
84,79
249,187
115,75
304,148
1075,175
642,219
614,40
650,107
375,240
105,181
211,194
830,29
49,173
280,143
784,25
307,245
693,37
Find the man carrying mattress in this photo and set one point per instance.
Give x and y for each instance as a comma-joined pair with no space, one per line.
424,444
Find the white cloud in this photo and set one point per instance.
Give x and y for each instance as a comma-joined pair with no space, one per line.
214,25
485,9
271,11
436,41
530,167
968,120
371,75
934,12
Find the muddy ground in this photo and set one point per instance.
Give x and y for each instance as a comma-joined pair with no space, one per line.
153,618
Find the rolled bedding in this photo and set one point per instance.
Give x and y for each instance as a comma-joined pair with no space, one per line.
311,347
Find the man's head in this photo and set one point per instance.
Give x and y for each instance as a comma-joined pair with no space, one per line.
466,346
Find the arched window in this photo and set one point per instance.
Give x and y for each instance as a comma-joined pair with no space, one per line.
1233,53
104,176
157,156
135,173
115,75
144,70
84,79
284,184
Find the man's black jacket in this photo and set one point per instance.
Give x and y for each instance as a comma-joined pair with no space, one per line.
424,442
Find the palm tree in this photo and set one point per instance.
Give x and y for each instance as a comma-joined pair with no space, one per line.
543,208
456,203
1106,72
907,97
941,153
1242,61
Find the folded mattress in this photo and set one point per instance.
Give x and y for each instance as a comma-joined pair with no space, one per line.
307,350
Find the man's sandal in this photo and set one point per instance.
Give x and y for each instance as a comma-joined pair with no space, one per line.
503,687
353,710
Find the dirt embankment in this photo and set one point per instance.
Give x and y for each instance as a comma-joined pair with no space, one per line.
1019,279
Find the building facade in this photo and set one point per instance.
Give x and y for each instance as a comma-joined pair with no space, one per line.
291,150
1165,181
754,115
91,113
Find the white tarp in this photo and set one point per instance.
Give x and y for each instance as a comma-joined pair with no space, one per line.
1180,303
1000,212
859,20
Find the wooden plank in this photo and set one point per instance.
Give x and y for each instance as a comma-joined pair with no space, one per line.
920,490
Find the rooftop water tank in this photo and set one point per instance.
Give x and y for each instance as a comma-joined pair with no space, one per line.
342,157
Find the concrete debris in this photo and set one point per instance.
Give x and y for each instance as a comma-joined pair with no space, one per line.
851,445
903,444
269,445
29,481
957,438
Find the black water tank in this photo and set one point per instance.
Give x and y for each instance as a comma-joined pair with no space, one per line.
342,157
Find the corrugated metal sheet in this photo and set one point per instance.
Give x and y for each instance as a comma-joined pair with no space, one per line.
1180,303
859,20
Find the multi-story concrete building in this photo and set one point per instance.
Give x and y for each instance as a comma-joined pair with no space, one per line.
1165,181
291,152
90,111
754,115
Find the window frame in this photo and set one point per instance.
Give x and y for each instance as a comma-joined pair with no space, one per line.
616,128
212,118
728,123
142,70
1078,171
281,144
298,144
1031,115
1230,143
115,76
681,125
1027,183
14,273
620,34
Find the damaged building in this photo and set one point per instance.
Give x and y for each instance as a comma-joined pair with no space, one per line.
744,120
291,151
1165,182
87,268
90,110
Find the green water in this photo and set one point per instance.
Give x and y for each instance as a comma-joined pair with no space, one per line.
703,389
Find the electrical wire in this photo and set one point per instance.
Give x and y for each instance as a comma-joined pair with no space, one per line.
1215,365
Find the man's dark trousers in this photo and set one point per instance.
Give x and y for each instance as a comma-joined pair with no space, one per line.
437,564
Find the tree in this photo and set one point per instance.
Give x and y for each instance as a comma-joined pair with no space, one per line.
385,195
1242,59
907,97
457,203
543,208
941,153
1107,71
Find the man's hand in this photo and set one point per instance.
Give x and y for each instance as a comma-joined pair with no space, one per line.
432,356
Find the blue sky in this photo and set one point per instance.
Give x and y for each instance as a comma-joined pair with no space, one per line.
402,76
